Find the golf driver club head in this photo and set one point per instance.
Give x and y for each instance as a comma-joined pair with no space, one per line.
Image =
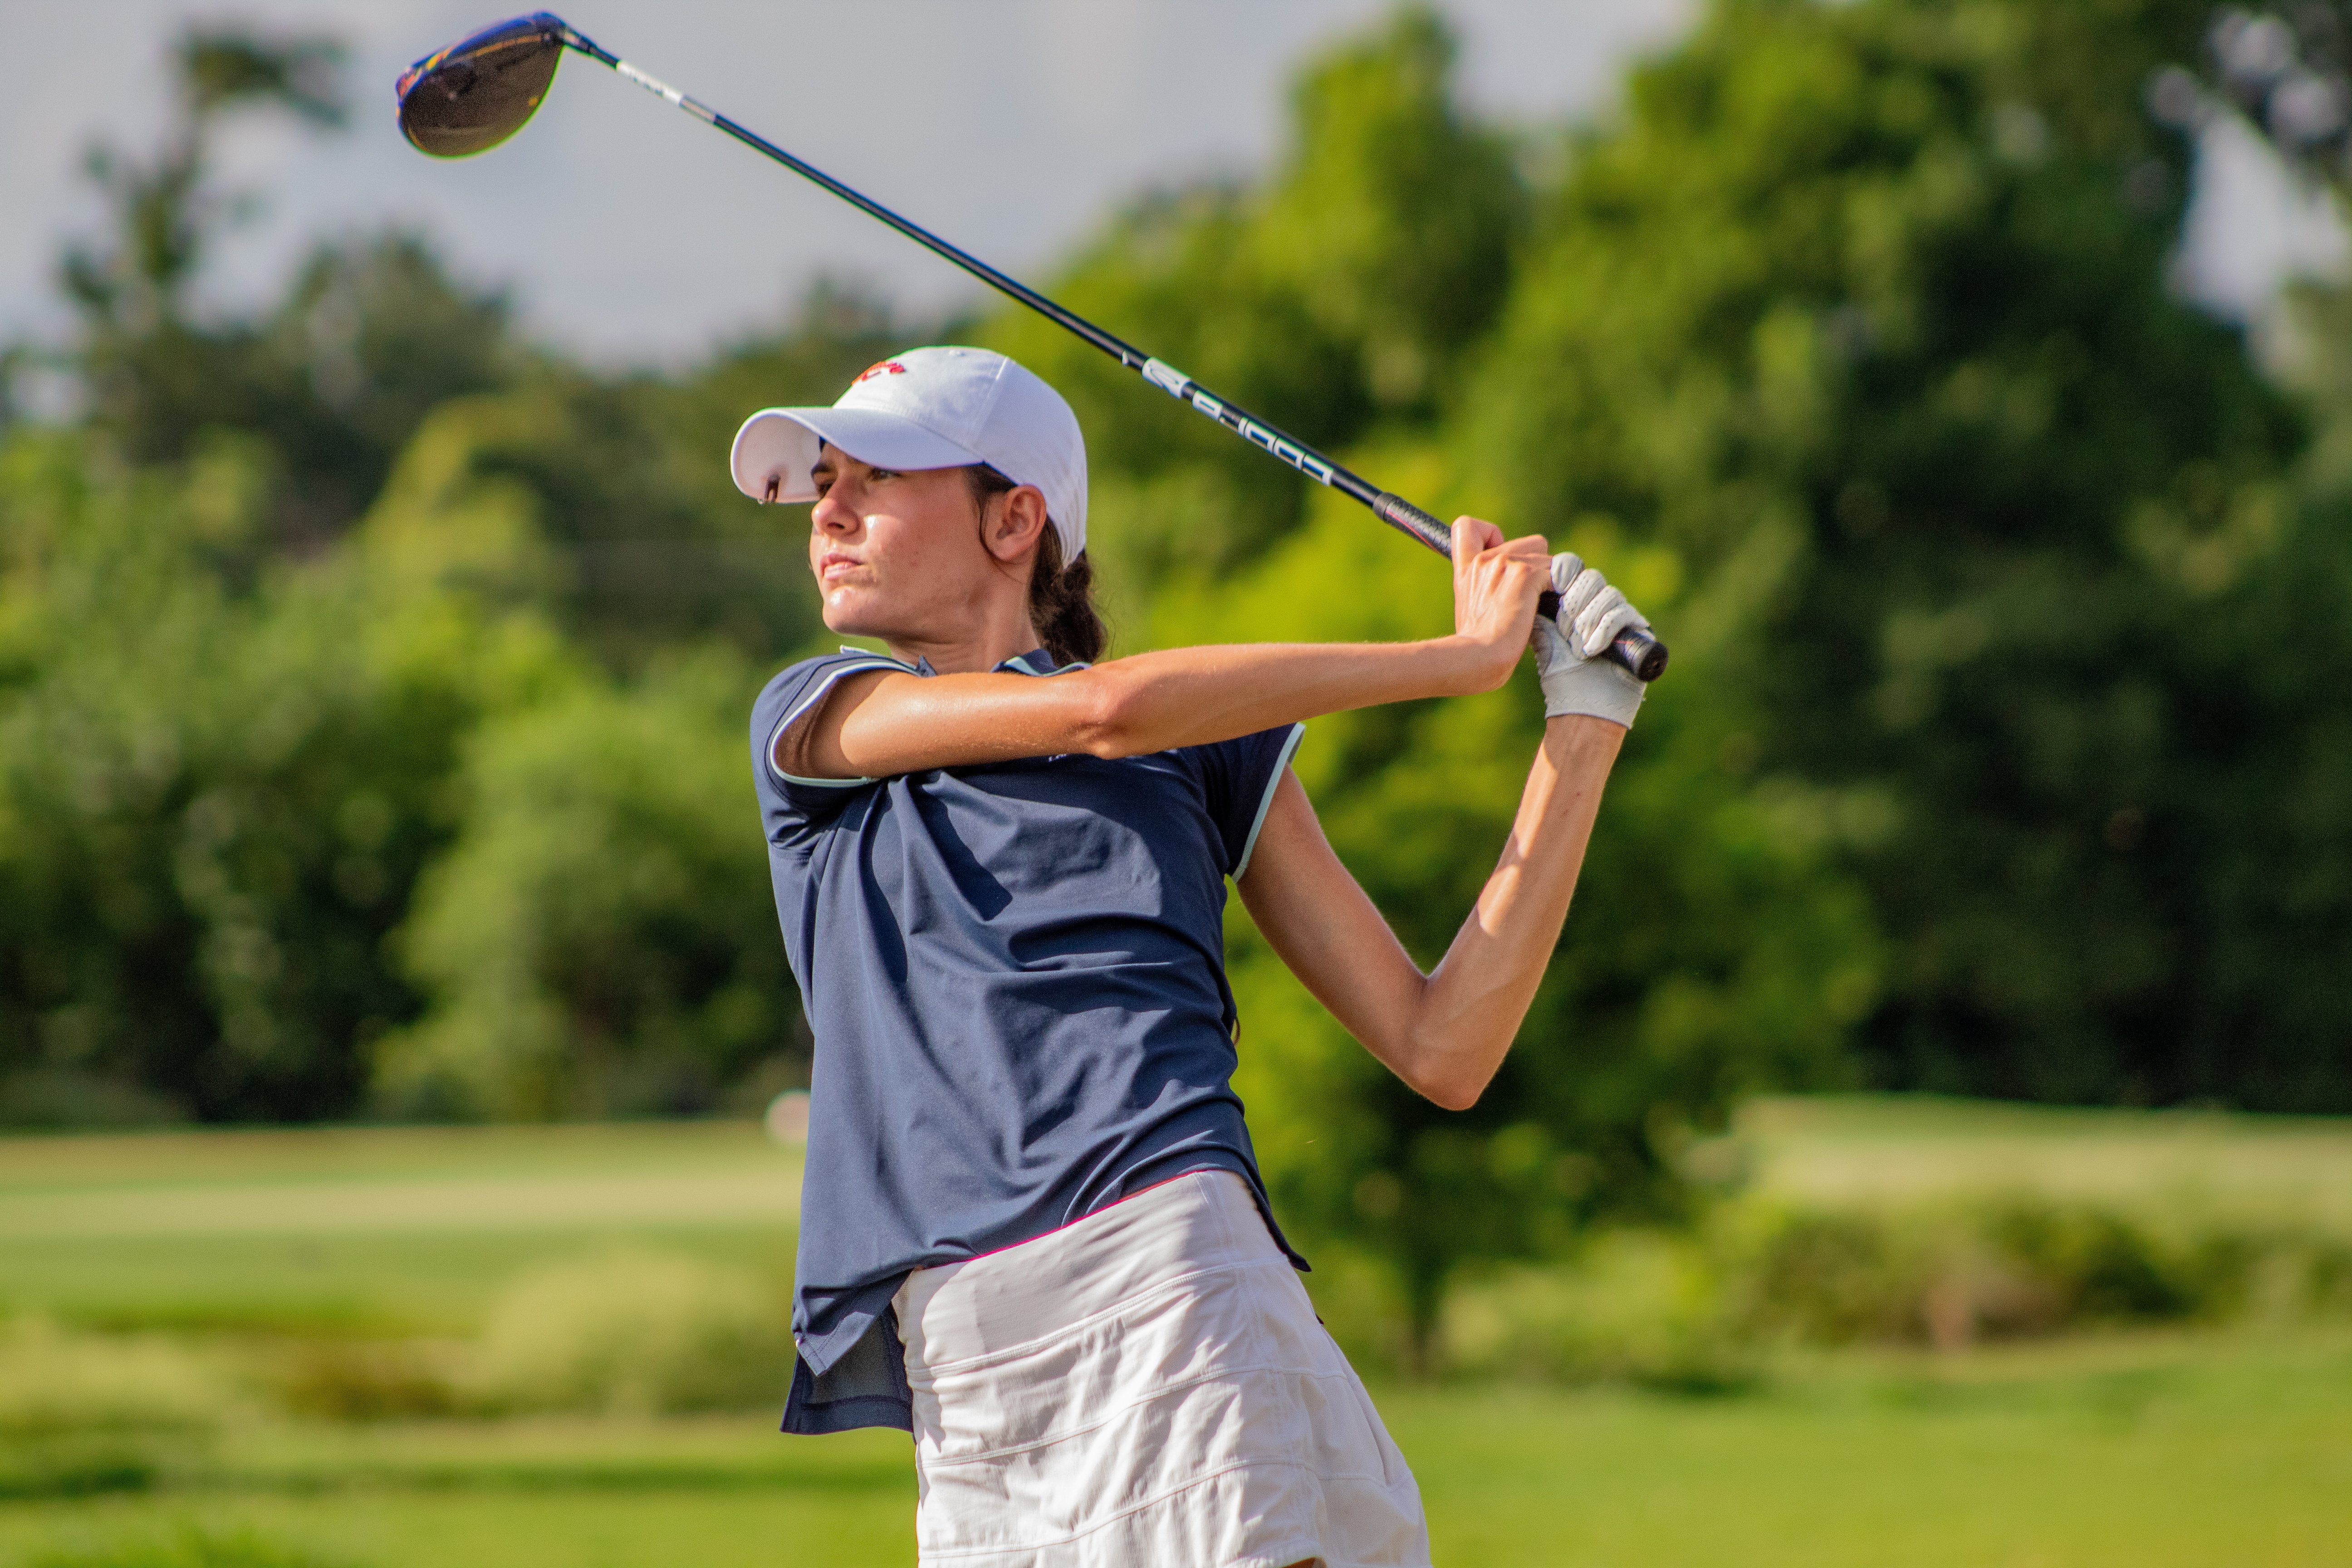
475,93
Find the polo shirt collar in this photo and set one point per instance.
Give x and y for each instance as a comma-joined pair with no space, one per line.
1037,661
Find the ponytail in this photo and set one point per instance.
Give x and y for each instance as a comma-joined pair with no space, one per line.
1062,605
1061,593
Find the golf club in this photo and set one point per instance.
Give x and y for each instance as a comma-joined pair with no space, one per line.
475,93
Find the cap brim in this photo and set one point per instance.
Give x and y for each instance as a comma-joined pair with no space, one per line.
781,444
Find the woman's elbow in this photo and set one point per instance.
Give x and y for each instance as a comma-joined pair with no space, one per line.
1448,1084
1452,1093
1105,720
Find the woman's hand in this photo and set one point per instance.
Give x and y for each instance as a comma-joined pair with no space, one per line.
1497,583
1576,679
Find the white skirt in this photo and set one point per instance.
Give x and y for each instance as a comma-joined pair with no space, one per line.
1149,1387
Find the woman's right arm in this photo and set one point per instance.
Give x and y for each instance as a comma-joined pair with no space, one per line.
881,724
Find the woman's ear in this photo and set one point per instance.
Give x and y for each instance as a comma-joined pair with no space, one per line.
1015,523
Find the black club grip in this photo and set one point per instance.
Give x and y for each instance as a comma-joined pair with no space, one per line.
1634,648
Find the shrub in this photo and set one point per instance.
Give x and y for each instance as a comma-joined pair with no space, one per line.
635,1333
1825,1278
86,1412
1694,1311
368,1381
601,939
2007,1267
1638,1307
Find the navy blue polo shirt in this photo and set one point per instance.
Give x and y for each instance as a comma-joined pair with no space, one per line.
1015,976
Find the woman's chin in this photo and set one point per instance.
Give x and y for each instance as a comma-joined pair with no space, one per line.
847,617
858,611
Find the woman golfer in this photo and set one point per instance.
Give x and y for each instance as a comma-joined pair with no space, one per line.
1033,1231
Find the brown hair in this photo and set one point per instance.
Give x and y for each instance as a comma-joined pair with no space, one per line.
1061,593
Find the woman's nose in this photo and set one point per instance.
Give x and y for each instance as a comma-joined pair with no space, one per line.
832,513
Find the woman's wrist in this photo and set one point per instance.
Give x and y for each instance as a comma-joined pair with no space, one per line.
1468,664
1447,662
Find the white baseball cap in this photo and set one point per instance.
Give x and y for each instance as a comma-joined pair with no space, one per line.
930,408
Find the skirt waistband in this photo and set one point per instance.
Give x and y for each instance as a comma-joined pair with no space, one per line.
1197,1224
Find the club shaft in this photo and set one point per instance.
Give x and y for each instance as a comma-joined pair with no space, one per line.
1634,648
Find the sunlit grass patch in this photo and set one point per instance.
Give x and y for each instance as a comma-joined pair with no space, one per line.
1870,1150
367,1232
187,1549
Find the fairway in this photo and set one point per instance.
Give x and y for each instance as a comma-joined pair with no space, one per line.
2159,1454
2187,1448
2146,1456
391,1229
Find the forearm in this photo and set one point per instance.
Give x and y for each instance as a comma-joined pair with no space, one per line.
1190,697
1443,1034
1470,1008
1150,702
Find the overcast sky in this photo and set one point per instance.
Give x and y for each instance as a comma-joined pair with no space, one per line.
629,231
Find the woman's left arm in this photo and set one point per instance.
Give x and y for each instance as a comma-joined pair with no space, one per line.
1443,1033
1446,1032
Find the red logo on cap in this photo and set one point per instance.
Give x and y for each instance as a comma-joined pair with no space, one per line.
880,367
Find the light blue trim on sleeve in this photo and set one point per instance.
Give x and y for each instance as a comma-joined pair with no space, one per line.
824,688
1020,662
1274,782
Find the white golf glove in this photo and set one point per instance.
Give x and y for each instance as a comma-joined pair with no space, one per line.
1575,679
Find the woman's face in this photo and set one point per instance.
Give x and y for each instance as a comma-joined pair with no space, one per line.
897,555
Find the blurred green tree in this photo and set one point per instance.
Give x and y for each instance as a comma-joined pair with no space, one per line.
601,939
2274,1030
234,710
165,212
647,543
1864,310
212,804
2283,903
2288,69
373,333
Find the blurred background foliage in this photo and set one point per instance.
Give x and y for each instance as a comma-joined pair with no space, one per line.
372,678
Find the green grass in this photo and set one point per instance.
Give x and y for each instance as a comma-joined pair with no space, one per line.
2148,1453
581,1494
365,1229
2149,1450
545,1529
